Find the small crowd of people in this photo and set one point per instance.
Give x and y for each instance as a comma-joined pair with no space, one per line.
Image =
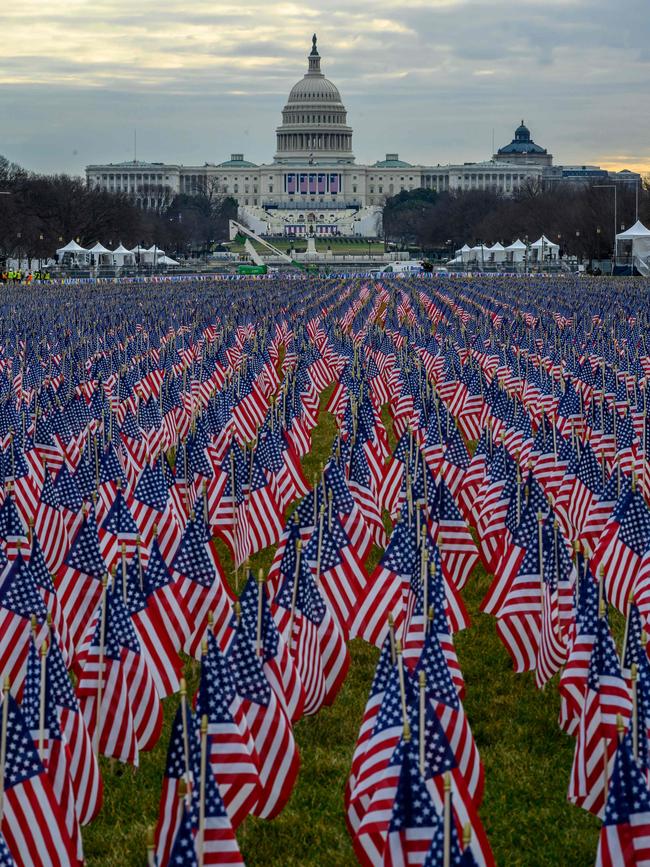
18,276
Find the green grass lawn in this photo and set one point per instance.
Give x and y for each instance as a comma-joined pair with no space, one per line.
527,758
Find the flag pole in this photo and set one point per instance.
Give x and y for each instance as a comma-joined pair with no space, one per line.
402,685
3,743
151,846
446,854
41,707
634,673
423,685
430,572
626,632
234,516
204,761
100,672
321,518
467,836
186,737
294,592
260,597
391,633
123,559
540,554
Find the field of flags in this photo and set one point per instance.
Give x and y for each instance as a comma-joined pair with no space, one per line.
491,424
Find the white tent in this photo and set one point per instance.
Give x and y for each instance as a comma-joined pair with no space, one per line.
639,236
497,252
463,253
479,253
516,252
148,255
543,247
122,256
73,250
167,260
101,254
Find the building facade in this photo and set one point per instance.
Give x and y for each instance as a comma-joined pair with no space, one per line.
314,186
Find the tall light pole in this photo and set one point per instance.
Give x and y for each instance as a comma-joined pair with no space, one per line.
615,188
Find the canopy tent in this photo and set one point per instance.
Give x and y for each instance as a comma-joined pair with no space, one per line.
73,250
101,254
639,237
479,253
148,255
516,252
544,247
462,254
166,260
122,256
497,253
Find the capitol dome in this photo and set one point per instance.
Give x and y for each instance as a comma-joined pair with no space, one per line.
314,121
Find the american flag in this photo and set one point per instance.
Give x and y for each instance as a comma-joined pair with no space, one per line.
441,693
33,824
183,743
607,696
233,758
387,588
43,579
372,792
200,586
625,832
214,837
20,600
279,667
79,580
38,704
83,767
183,851
311,633
384,672
621,547
264,512
50,526
271,731
103,689
337,569
414,819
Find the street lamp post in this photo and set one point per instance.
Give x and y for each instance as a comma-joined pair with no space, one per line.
578,251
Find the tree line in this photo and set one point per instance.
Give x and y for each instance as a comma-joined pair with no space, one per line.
39,213
580,218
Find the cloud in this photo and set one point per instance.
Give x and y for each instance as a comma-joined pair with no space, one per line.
429,78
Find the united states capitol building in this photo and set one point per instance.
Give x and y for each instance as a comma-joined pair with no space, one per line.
314,186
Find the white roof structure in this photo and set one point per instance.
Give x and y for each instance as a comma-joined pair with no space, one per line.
516,245
639,235
167,260
497,252
121,254
638,230
71,247
99,250
545,243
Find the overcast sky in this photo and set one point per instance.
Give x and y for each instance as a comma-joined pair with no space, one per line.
430,79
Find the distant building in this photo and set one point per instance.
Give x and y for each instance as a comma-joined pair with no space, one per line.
313,185
523,150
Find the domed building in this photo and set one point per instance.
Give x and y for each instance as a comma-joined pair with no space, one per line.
314,121
313,186
522,149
